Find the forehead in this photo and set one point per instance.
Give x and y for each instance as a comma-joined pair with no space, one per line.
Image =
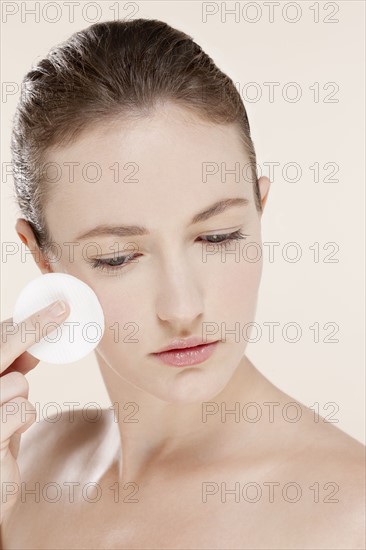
167,164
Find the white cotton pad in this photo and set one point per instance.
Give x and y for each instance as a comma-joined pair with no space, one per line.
81,331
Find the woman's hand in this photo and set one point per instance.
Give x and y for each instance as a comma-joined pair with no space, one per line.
17,414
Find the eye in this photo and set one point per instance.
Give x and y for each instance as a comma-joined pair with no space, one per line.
225,238
113,265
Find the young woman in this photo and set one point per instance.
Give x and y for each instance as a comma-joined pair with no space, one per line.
120,144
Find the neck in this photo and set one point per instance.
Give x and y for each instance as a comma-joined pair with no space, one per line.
152,431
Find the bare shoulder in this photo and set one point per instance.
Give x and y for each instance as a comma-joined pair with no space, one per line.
58,455
323,445
55,445
303,433
327,468
305,469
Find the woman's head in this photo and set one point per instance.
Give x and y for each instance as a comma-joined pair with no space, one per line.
112,70
130,123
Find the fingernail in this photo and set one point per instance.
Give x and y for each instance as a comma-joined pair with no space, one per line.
57,308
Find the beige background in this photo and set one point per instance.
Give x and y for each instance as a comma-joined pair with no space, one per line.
305,132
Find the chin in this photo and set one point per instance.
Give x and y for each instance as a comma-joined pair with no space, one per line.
193,385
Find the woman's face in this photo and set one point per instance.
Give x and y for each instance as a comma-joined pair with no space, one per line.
160,173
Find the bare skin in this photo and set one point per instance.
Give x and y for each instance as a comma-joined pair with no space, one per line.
171,510
172,461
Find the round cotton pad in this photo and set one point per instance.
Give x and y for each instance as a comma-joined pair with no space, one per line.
81,331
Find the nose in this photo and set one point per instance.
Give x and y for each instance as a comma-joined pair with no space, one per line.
180,299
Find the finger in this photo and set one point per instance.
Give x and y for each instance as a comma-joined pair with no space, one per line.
17,337
23,364
14,444
15,417
12,385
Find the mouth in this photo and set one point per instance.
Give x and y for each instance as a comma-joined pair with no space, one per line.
187,356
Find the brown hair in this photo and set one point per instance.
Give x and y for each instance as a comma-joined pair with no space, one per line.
113,69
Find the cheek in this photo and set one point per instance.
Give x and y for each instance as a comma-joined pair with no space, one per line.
123,314
246,280
236,291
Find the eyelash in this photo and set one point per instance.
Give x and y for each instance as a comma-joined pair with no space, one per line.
102,265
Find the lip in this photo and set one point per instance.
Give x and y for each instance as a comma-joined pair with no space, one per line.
188,356
183,343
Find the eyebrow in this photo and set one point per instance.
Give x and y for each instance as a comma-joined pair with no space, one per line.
133,230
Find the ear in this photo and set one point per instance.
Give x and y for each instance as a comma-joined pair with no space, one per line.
26,235
264,185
